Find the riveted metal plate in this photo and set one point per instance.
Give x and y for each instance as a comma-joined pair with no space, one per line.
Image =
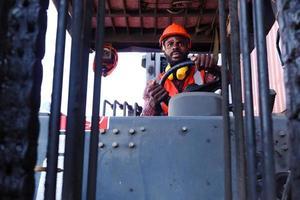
167,162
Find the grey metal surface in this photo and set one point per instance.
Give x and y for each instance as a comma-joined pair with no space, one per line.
188,104
281,143
150,158
42,146
174,158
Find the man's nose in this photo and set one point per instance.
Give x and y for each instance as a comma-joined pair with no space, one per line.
176,45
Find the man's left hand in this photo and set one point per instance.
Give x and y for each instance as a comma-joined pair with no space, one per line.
204,61
209,64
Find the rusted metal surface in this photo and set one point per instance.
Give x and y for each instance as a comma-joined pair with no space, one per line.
22,36
289,20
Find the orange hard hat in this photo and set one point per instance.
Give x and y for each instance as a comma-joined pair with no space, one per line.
173,30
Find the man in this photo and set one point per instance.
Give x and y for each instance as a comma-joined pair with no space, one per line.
175,42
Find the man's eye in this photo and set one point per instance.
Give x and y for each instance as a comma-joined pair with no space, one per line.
170,44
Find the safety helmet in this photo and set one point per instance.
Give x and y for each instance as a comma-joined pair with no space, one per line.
173,30
109,60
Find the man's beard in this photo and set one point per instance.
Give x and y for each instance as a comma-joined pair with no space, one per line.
175,62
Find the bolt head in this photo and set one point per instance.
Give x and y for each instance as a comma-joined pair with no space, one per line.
142,129
285,147
131,131
282,133
115,131
184,129
101,145
115,145
131,145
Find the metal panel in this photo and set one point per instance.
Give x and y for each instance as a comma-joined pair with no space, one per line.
169,159
174,158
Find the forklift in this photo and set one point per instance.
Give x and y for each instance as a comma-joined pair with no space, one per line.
211,146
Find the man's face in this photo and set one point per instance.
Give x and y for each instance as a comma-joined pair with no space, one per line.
176,49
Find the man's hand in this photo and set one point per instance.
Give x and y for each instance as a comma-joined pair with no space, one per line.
208,63
204,61
154,94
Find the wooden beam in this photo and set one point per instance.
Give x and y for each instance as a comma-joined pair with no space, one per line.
126,18
109,11
160,13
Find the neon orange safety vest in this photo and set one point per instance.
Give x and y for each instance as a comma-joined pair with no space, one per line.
194,76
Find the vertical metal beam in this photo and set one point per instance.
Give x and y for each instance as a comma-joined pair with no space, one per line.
73,162
104,106
289,20
93,153
237,99
141,17
53,141
116,105
125,106
264,108
249,113
225,101
155,18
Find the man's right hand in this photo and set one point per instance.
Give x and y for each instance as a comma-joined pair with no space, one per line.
154,94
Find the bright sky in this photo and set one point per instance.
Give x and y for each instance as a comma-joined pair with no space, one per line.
126,83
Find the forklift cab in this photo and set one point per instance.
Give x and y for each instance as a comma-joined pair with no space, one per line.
187,155
201,151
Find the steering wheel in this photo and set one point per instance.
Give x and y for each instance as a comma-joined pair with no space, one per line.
188,64
208,87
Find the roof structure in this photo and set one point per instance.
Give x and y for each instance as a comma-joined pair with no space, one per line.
140,22
135,25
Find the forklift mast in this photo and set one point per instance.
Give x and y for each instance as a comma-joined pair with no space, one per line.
154,63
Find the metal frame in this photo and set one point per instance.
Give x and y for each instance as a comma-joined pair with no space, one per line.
265,111
244,128
50,189
249,113
73,162
225,101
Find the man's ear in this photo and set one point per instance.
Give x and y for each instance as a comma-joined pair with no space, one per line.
163,47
